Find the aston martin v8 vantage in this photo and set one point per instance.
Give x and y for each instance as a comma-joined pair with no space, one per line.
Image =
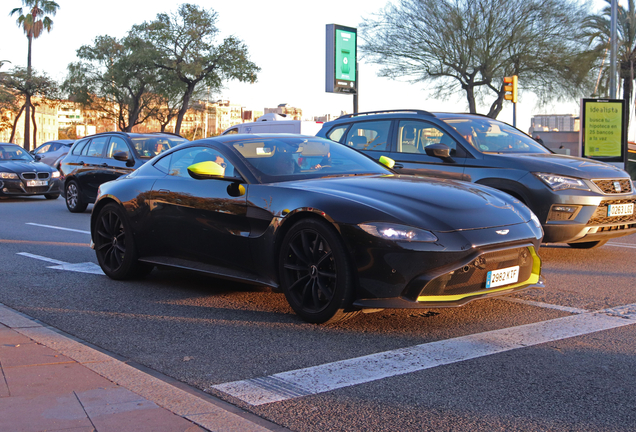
334,230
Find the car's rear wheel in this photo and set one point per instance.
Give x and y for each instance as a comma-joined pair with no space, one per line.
115,246
73,201
315,273
588,245
51,196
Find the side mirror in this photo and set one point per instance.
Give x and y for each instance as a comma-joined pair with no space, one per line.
387,161
121,156
37,158
441,151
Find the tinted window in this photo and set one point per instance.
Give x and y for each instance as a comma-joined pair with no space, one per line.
46,148
231,131
79,147
151,145
163,164
369,135
14,153
182,159
337,133
116,145
96,147
414,136
281,159
491,136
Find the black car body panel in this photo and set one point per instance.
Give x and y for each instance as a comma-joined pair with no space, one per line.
205,225
93,160
511,170
22,175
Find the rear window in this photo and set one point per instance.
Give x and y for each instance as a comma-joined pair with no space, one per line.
369,135
152,145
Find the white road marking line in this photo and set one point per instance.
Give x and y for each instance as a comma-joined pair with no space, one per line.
622,245
332,376
59,228
87,267
41,258
545,305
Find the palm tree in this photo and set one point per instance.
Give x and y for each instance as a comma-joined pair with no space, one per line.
33,22
598,32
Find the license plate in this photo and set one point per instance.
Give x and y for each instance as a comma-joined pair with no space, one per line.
620,209
33,183
501,277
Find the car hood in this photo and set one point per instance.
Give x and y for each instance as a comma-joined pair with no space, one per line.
434,204
561,164
23,166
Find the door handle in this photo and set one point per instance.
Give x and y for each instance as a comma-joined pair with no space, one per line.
398,165
105,165
82,163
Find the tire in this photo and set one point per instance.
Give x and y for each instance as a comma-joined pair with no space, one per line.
115,246
52,196
73,201
315,273
588,245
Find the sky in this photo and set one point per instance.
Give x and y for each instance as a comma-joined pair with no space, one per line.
286,39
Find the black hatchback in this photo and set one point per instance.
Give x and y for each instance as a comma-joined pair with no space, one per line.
106,156
579,201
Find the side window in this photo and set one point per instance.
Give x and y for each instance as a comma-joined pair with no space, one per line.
96,147
231,131
79,147
370,135
337,133
116,145
44,149
182,159
163,164
414,136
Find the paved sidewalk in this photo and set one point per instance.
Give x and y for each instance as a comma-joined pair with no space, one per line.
50,382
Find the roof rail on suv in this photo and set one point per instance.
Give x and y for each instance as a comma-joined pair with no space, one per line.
416,111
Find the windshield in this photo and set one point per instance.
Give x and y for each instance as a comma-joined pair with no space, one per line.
14,153
150,146
281,159
491,136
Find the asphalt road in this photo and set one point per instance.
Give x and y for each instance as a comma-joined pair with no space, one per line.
539,360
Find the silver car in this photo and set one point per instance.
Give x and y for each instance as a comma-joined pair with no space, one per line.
52,152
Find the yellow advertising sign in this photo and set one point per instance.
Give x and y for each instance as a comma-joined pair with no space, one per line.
603,129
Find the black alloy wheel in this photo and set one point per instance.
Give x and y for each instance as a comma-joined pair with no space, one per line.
73,200
315,273
587,245
114,245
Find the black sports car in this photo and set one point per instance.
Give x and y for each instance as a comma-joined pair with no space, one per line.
330,227
22,174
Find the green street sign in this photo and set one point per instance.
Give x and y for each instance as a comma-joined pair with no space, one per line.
342,55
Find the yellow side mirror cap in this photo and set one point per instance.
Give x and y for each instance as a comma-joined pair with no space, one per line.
387,161
206,169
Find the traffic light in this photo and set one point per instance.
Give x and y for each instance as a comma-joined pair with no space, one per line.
510,86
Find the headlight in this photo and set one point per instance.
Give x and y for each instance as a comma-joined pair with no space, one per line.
557,182
8,175
398,232
55,174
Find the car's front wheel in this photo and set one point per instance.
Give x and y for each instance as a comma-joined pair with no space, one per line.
74,202
315,273
114,245
587,245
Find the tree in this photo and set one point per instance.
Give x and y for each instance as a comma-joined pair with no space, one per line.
184,47
471,45
20,83
598,31
116,77
33,22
